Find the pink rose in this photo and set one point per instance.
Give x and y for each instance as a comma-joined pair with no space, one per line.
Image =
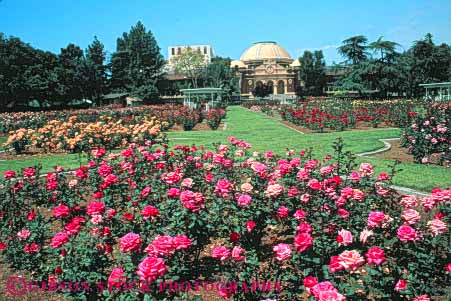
310,281
325,291
246,187
350,259
23,234
299,214
61,211
407,233
410,216
305,198
375,219
283,251
220,252
193,201
375,255
95,208
282,212
29,172
130,242
116,278
366,170
151,268
354,177
314,184
408,201
223,187
31,248
344,237
302,242
59,239
422,298
304,227
437,226
250,225
187,183
237,254
364,235
334,264
73,227
244,200
173,192
162,245
273,190
181,242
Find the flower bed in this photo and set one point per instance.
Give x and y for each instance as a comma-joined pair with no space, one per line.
75,136
428,138
326,228
336,115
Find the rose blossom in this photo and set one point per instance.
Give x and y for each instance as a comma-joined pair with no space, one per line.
282,212
302,242
95,208
162,245
246,187
364,235
304,227
250,225
325,291
366,170
344,237
23,234
299,214
309,282
401,285
244,200
375,255
273,190
407,233
422,298
375,219
61,211
181,242
96,219
9,174
236,254
130,242
116,278
220,252
314,184
283,251
410,216
149,211
193,201
151,268
437,226
59,239
31,248
223,187
187,183
350,259
408,201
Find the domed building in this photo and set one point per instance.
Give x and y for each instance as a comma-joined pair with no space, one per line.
267,63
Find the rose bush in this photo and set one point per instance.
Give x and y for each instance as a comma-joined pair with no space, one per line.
430,134
327,228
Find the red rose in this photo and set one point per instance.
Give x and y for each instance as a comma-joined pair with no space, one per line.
302,242
234,237
151,268
310,281
182,242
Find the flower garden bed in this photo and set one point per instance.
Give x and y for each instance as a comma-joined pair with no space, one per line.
325,228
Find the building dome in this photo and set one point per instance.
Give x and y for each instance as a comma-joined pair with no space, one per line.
238,64
265,51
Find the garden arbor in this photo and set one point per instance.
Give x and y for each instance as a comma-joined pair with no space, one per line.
194,97
438,91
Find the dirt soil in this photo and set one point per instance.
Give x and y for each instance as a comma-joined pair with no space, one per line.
396,153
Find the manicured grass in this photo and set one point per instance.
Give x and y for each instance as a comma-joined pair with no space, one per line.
266,133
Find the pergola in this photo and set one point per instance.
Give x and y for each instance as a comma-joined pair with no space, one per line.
444,91
193,97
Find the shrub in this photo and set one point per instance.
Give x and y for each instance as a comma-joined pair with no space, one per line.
214,118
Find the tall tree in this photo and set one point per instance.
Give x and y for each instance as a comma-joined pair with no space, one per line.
354,49
96,69
313,72
219,74
191,63
71,72
386,49
137,63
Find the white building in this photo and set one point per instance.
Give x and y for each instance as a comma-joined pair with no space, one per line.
205,50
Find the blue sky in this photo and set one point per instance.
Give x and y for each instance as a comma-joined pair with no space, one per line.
228,25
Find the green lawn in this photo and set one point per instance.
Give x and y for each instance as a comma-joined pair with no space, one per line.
266,133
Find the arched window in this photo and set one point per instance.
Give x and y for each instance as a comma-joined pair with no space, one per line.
280,87
270,85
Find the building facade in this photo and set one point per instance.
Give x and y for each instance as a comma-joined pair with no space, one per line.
267,63
205,50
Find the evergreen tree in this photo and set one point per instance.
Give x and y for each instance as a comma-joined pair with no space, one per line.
95,69
137,63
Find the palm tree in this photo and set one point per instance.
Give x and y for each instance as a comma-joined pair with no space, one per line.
354,49
386,48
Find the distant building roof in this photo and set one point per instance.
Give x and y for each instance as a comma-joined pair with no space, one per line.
114,95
